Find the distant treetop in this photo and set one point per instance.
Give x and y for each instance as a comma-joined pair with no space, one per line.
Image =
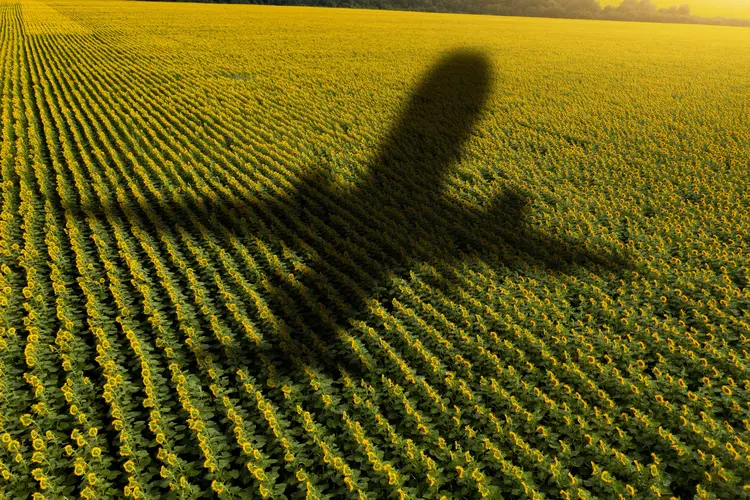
628,10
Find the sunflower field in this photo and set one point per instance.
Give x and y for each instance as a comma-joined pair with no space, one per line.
281,252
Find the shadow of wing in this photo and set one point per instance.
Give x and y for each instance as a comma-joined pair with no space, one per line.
505,224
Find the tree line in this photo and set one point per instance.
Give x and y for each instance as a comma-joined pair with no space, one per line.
628,10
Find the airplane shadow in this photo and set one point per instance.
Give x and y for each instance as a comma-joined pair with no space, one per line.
342,246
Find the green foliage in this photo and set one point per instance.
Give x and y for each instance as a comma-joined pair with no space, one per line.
250,252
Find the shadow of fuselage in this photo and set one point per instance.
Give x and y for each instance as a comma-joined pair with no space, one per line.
343,245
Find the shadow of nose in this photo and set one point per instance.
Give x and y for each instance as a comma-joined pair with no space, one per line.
437,120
